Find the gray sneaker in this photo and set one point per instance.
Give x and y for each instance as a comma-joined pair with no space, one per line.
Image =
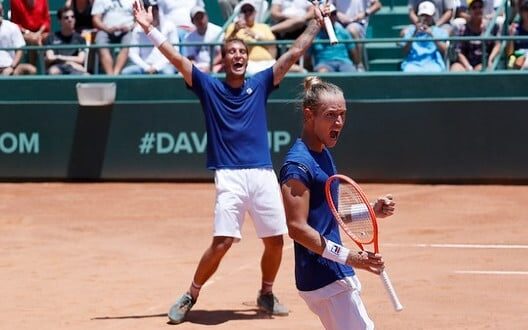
270,304
180,309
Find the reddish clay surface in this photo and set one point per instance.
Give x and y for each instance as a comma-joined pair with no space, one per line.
116,256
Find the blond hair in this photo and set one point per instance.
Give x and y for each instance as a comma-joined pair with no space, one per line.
314,89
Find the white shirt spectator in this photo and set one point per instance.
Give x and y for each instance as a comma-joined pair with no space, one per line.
10,36
351,8
145,57
293,8
114,13
178,11
201,54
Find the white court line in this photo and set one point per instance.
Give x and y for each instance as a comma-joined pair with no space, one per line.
490,272
461,246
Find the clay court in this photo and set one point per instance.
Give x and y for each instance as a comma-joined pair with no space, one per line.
117,255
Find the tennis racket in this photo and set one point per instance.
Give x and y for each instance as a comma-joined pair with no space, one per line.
356,217
327,23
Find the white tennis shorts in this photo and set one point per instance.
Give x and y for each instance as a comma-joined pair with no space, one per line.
339,305
253,190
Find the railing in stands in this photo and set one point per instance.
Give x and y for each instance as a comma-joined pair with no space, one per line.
41,49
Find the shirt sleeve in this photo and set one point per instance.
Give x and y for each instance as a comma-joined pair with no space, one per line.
98,7
229,30
295,171
81,42
265,77
448,4
133,52
188,51
409,31
200,82
440,33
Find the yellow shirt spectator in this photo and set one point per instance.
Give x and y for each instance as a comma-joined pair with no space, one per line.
257,32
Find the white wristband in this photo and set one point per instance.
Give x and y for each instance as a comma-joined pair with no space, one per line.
156,37
335,252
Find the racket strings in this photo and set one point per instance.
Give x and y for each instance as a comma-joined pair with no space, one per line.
355,214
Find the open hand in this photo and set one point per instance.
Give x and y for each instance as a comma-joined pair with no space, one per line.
142,16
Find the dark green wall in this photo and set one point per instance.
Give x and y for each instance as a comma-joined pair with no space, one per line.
400,128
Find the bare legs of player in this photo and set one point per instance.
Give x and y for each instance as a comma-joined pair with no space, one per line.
270,262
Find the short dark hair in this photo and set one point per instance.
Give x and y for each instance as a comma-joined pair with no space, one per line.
230,40
62,10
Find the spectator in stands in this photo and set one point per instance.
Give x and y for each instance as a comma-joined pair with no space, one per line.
290,17
229,7
488,12
205,32
260,56
469,53
333,58
11,37
65,61
261,6
179,12
426,55
355,15
114,20
82,10
32,16
149,60
444,12
517,50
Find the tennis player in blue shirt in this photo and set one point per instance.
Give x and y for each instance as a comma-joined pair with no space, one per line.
325,280
238,152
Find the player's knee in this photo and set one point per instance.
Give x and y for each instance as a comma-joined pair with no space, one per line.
274,242
222,244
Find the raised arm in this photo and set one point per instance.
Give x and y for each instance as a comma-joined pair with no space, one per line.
299,47
182,63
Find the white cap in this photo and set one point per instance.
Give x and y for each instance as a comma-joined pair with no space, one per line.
426,8
195,10
247,2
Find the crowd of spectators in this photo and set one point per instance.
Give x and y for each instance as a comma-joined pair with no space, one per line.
81,23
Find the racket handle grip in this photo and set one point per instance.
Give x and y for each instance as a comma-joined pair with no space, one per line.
390,290
330,30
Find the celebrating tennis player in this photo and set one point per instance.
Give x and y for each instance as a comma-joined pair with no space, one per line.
238,152
323,266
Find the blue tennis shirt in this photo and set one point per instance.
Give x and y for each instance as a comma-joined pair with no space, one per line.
235,119
312,271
